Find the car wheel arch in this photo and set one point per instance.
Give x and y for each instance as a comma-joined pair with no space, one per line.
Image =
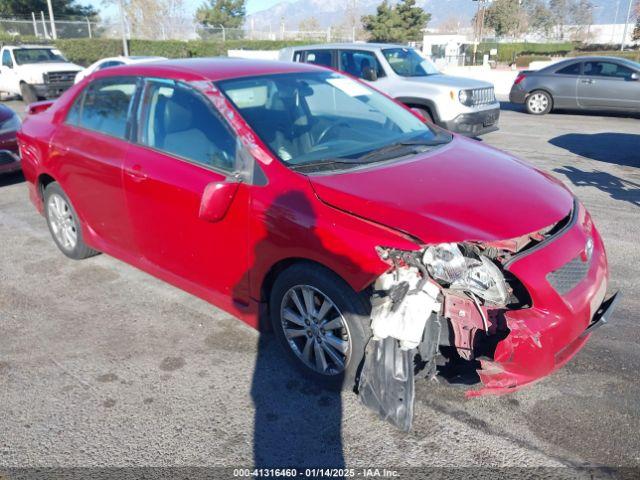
44,179
427,105
270,277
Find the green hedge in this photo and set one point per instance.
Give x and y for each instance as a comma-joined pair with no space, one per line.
525,60
631,55
508,52
87,51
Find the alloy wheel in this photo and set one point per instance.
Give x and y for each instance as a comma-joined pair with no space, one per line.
63,224
315,329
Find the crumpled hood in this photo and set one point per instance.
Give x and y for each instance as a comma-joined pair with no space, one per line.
460,191
450,81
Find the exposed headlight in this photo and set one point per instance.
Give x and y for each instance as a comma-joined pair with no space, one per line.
465,97
11,124
446,263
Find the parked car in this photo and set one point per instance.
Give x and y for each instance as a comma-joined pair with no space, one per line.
459,104
9,125
300,193
587,83
114,62
34,72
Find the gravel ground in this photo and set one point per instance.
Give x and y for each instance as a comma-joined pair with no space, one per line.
103,365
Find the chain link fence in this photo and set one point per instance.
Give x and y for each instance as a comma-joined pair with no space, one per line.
39,26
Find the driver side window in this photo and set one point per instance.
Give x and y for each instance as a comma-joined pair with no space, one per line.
6,59
181,122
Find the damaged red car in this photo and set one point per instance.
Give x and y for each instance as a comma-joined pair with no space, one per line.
379,248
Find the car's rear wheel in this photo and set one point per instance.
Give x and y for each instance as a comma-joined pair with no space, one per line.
539,102
28,93
322,324
64,224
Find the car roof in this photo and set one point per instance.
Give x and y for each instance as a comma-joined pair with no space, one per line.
351,46
586,58
214,69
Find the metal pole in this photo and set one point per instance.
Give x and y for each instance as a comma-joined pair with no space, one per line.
224,35
89,27
52,20
125,47
615,21
35,25
626,25
44,24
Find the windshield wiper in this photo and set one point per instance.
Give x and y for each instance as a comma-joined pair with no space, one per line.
402,148
322,163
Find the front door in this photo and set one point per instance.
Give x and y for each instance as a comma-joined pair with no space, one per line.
608,84
8,78
183,145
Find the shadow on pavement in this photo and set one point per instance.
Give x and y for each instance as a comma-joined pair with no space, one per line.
615,187
8,179
610,147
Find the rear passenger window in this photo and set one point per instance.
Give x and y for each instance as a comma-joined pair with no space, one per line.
105,106
180,121
573,69
319,57
355,63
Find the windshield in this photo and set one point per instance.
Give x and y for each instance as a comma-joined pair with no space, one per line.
37,55
406,62
323,118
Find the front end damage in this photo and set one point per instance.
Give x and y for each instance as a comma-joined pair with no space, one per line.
508,313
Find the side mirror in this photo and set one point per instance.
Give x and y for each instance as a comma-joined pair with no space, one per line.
216,200
635,76
369,74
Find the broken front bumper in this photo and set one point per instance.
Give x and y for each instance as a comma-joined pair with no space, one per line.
567,279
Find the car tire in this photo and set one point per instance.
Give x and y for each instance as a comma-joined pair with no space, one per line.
539,102
342,332
64,224
28,93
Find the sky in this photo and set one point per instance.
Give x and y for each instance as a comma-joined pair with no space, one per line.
110,10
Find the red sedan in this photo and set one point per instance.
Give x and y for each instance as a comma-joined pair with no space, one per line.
9,125
294,193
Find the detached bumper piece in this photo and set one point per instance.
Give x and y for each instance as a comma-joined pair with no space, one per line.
387,383
603,315
474,124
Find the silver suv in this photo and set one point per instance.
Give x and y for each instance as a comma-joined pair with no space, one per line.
462,105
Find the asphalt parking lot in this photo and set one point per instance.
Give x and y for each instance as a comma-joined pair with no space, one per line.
103,365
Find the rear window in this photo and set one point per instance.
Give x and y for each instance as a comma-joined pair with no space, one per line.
104,106
573,69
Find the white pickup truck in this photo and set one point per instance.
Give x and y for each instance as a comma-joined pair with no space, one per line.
35,72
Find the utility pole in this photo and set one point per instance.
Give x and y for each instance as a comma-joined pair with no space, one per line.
35,25
123,30
44,24
626,25
52,20
88,27
615,21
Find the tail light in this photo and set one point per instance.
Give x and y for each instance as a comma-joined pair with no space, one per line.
519,78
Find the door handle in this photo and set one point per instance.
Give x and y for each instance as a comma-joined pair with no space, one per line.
588,80
136,174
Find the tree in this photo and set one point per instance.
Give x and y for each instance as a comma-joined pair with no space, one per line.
506,17
540,18
400,23
309,24
414,19
581,16
60,8
228,13
156,19
560,10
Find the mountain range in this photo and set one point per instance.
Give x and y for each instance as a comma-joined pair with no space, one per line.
332,12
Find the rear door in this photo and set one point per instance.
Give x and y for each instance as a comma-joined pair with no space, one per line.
324,57
181,146
91,145
608,84
8,76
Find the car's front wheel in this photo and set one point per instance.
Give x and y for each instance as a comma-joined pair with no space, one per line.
539,102
28,93
321,322
64,224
